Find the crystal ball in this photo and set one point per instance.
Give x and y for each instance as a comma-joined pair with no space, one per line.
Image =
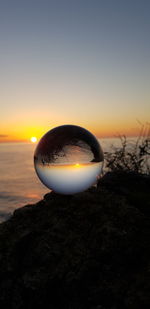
68,159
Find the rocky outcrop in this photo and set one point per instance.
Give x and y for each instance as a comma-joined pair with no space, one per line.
86,251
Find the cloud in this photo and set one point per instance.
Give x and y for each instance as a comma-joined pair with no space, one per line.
3,135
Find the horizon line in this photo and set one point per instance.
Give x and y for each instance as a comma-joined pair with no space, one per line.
27,141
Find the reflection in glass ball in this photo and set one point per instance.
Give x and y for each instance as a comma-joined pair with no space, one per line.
68,159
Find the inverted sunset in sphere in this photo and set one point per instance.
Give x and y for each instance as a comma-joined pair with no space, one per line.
68,159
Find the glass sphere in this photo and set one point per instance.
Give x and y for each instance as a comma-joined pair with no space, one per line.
68,159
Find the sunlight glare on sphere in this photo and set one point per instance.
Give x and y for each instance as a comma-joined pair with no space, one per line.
33,139
68,159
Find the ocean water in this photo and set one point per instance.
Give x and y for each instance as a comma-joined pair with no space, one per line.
19,184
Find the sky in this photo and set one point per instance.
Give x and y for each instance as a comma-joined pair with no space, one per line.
83,62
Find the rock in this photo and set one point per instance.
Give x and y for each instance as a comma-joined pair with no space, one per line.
86,251
133,186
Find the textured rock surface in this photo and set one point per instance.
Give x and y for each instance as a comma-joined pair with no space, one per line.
87,251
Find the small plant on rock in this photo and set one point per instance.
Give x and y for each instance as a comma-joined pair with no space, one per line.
131,156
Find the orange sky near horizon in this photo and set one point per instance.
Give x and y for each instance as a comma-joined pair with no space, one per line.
20,133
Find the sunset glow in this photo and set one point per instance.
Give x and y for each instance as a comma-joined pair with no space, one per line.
33,139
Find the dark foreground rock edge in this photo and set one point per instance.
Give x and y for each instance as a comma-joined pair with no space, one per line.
86,251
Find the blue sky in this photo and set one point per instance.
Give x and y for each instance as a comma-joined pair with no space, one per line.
81,62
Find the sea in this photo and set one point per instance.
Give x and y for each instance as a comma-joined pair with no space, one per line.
19,184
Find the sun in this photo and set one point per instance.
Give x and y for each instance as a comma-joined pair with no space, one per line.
33,139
